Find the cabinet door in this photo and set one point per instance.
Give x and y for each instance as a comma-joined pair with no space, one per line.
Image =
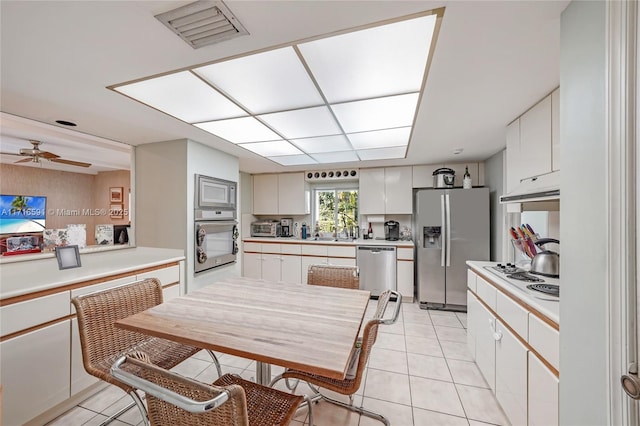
543,394
294,196
341,261
513,156
398,190
405,279
80,379
555,130
291,269
271,266
371,196
252,265
485,345
473,310
535,139
307,261
265,194
423,175
35,372
511,375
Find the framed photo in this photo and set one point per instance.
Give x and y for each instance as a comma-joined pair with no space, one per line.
116,211
68,257
115,194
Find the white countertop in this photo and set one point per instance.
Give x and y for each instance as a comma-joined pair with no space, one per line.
518,289
358,242
40,274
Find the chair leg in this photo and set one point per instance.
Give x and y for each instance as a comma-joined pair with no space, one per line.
216,362
360,410
309,406
136,401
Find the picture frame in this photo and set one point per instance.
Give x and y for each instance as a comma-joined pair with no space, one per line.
115,194
116,211
68,257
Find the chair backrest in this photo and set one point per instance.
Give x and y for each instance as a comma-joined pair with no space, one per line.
334,276
100,340
176,400
370,334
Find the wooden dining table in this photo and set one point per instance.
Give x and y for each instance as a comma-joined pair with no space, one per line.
305,327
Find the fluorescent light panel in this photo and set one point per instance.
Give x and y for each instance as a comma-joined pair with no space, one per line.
368,80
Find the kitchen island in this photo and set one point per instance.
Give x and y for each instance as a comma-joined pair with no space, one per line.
288,259
513,335
41,364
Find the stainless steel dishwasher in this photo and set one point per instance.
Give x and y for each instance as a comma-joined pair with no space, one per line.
377,265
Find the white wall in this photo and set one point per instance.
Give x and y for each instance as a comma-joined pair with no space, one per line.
583,317
494,179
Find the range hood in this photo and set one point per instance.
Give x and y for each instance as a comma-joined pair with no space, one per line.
540,188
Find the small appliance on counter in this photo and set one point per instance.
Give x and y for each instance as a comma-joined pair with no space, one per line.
391,230
265,228
443,177
286,227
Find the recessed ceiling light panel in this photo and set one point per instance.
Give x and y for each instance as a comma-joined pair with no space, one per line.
382,153
323,144
293,160
272,149
184,96
303,123
240,130
380,138
335,157
270,81
376,114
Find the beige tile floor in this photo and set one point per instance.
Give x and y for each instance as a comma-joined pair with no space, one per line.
419,373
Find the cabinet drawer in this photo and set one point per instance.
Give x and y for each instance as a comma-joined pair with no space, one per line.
341,251
545,340
22,315
314,250
513,314
97,287
290,249
254,247
471,280
270,248
405,253
486,292
166,276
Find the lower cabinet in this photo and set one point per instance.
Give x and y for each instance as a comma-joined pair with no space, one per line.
543,394
26,361
80,379
485,344
252,265
511,374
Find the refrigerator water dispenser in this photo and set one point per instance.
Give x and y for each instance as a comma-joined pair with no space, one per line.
432,237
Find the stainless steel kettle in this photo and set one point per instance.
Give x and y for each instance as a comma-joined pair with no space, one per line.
546,262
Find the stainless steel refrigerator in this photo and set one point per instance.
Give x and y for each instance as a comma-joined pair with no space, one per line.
451,226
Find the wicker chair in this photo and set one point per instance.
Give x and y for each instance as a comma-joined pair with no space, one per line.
229,401
349,386
102,343
334,276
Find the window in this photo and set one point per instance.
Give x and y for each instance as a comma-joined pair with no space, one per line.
335,209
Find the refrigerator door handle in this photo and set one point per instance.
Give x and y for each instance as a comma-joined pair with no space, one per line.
443,237
448,236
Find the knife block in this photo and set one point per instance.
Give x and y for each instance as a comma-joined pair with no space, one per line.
520,257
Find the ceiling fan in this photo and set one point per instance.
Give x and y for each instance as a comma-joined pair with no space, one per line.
34,155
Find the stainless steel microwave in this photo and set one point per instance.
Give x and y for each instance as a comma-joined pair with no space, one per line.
215,194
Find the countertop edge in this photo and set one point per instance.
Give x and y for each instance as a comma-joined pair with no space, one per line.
358,242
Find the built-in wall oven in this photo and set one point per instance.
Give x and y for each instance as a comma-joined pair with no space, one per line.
215,225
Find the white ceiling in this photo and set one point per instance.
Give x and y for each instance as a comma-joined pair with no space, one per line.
493,60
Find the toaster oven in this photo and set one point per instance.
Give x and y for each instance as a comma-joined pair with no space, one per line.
265,228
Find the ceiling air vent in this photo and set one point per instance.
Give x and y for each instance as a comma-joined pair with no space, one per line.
327,175
203,23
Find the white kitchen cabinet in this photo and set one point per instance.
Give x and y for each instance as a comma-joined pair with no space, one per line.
291,269
294,196
282,194
371,195
398,190
542,394
265,194
473,310
511,375
471,280
23,315
35,372
535,139
252,265
404,272
422,176
555,129
513,156
545,340
485,344
271,267
80,379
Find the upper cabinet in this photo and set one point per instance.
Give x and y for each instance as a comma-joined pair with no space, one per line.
533,141
423,174
386,190
286,193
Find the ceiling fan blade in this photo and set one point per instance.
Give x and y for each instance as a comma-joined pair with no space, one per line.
70,162
10,153
26,160
48,155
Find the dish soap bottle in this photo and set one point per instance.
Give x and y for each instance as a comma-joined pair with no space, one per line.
304,231
466,179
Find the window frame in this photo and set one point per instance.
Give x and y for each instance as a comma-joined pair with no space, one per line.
335,187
